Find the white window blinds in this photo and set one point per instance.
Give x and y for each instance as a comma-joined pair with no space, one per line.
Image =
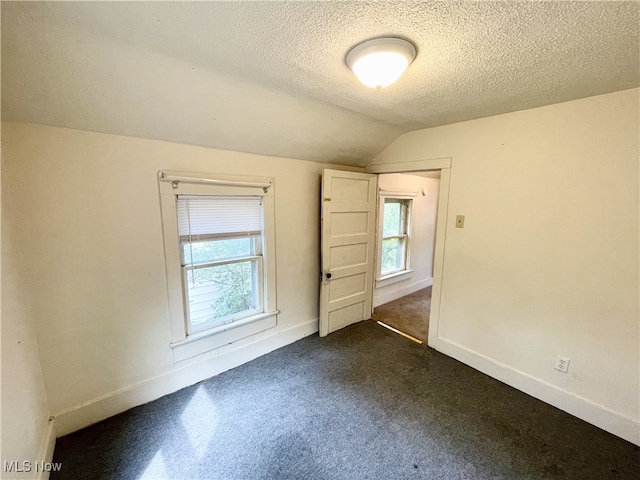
204,217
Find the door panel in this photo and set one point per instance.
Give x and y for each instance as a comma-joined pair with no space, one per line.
341,288
348,231
345,255
349,223
345,316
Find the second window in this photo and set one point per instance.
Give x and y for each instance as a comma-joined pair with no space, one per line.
395,236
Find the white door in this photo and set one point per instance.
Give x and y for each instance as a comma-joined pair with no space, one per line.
348,243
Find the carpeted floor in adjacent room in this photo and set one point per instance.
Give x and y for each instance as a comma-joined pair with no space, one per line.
362,403
409,314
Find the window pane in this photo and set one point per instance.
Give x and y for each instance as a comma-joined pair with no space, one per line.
392,219
392,255
222,291
204,252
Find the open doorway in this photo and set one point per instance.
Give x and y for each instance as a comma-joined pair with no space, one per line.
348,242
405,244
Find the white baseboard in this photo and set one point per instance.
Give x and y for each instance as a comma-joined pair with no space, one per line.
45,455
583,408
106,406
398,290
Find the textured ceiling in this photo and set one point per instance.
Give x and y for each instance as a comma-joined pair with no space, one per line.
270,77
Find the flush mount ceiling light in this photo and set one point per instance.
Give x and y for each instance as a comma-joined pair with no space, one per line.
379,62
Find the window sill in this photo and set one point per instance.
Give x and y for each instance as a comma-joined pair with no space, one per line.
393,278
216,337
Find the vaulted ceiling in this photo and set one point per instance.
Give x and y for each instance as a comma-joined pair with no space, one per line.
271,78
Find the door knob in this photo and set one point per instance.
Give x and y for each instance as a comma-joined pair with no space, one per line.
328,276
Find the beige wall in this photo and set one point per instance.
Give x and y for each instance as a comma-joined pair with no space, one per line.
26,433
91,239
547,263
423,226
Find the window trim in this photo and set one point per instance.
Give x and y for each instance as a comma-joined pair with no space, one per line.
406,272
184,344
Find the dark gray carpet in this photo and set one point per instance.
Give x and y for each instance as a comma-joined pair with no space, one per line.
363,403
409,314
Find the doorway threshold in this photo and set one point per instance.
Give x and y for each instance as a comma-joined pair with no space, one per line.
414,339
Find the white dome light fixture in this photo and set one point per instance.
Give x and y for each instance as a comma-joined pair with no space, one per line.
379,62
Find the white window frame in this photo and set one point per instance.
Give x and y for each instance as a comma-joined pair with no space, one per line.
406,272
256,258
186,344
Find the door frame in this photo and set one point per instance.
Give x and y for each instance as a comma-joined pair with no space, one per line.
444,165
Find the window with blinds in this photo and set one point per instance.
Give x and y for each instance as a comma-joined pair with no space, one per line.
221,243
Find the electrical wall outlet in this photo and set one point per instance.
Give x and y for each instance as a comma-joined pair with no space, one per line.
562,364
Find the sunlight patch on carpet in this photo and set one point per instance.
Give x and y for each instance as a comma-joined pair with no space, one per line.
400,333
